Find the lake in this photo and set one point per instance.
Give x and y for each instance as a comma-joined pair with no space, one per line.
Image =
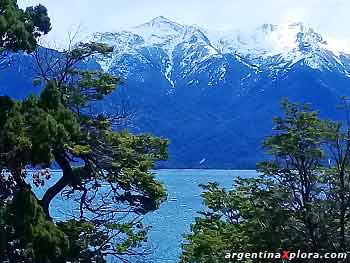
175,216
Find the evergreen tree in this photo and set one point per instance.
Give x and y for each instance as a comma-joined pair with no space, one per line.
106,171
20,29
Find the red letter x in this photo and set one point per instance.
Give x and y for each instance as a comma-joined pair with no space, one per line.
285,254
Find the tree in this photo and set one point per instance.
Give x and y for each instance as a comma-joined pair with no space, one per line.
19,29
114,173
299,199
106,170
337,176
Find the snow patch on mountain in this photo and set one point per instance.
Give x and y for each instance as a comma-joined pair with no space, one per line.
270,46
287,43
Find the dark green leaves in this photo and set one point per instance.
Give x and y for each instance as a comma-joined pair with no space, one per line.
39,20
29,234
18,29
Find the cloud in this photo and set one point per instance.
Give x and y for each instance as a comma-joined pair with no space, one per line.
330,17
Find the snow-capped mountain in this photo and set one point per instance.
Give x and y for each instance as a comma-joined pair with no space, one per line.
159,41
273,46
213,93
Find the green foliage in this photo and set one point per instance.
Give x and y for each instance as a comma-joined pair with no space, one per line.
109,170
92,85
134,155
84,240
300,133
33,128
37,130
19,29
29,235
249,218
299,200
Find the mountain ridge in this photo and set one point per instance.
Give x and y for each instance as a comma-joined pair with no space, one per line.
213,95
226,84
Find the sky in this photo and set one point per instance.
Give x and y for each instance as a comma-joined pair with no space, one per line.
328,17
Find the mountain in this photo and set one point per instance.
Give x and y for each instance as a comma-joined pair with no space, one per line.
213,93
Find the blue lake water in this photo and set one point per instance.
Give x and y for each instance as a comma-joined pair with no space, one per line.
175,216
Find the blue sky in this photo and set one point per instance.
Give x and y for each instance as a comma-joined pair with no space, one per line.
330,17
